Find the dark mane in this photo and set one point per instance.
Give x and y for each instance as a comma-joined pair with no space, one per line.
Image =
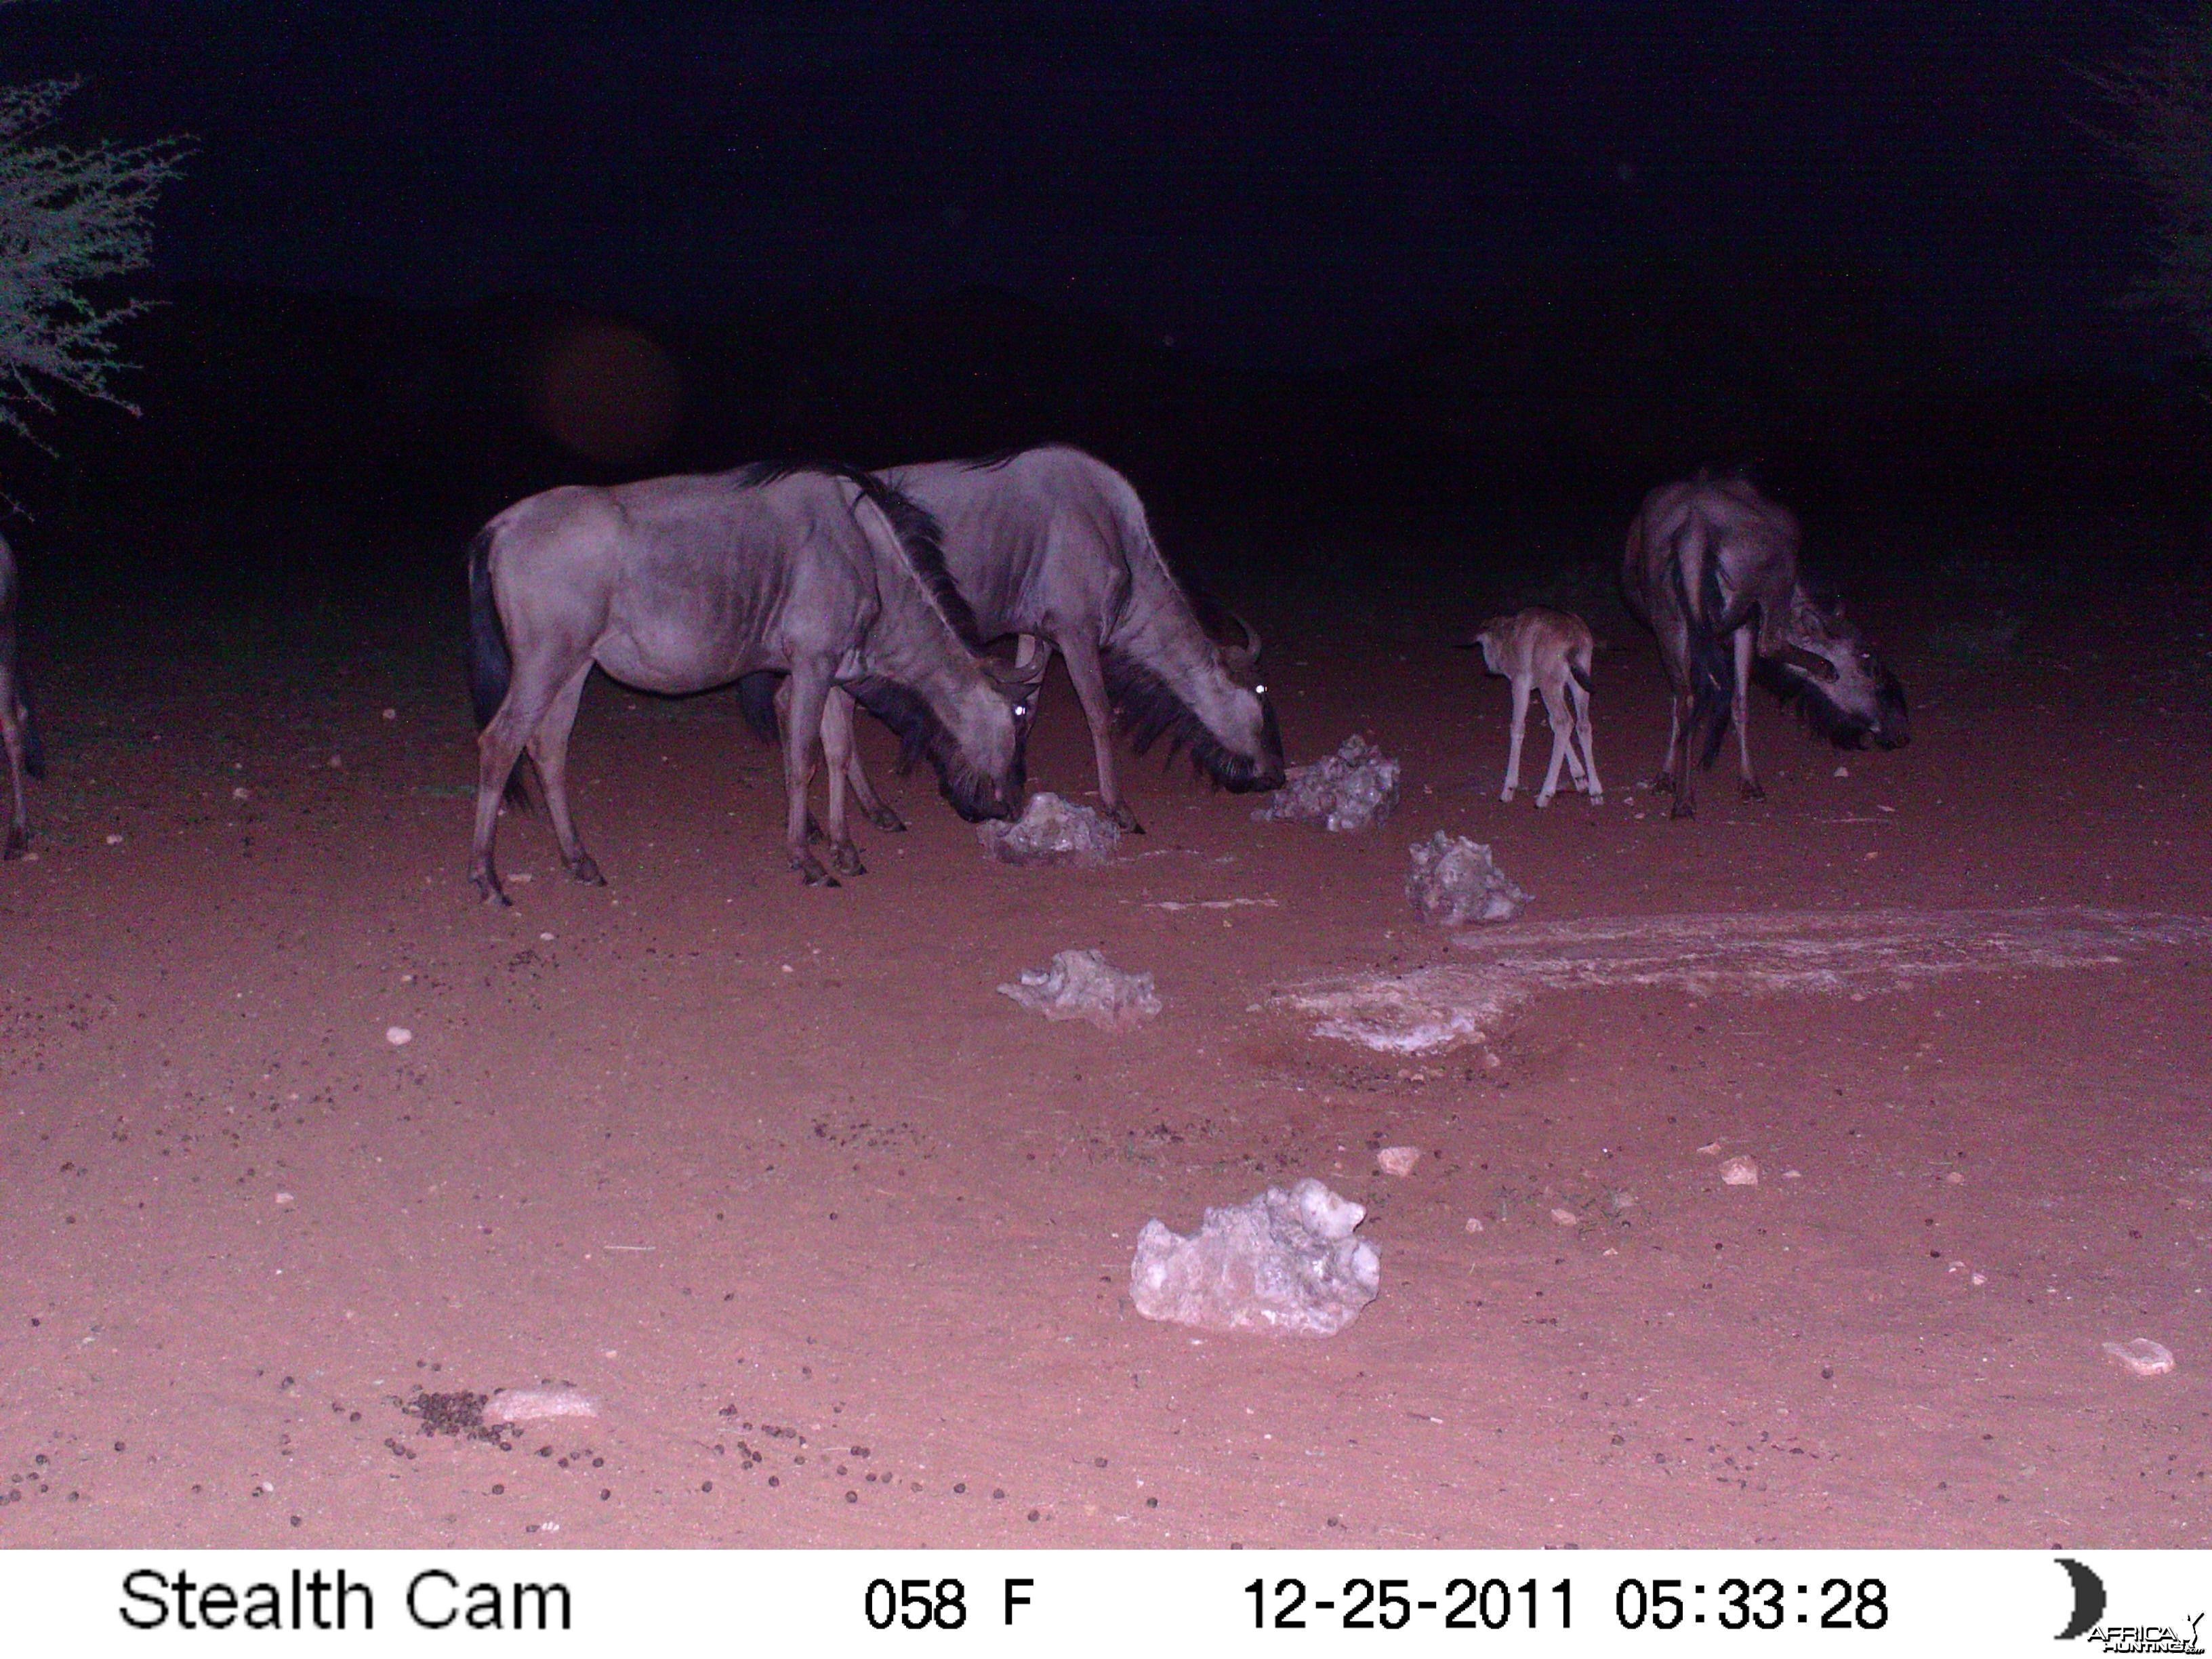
912,523
922,734
1147,709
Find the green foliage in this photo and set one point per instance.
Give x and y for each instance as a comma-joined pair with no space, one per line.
70,218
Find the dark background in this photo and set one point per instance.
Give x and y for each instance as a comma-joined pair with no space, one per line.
1392,312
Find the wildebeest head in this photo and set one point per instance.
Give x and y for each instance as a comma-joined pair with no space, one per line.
1830,673
978,749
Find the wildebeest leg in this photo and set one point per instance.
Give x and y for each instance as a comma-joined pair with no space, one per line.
11,733
1740,708
857,775
1563,726
536,682
1513,744
12,719
548,751
837,761
1678,777
802,746
1090,681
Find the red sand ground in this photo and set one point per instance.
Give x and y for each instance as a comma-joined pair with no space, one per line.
838,1239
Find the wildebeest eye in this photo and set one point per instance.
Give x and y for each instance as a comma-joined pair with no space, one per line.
1259,691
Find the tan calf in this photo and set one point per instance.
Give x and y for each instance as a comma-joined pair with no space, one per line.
1549,650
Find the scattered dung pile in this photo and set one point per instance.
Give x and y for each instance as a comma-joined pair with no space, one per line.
1353,789
1052,831
1082,985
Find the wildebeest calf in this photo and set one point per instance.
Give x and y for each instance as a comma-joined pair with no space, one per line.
1550,651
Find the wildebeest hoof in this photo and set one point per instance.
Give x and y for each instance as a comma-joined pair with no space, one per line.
1543,801
884,818
1683,809
1505,795
587,872
1752,792
848,860
812,872
1122,816
16,844
490,891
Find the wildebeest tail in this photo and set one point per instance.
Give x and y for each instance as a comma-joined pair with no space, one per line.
1712,662
490,663
1582,676
756,702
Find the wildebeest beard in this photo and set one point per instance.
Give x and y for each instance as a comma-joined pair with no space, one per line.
1147,709
972,792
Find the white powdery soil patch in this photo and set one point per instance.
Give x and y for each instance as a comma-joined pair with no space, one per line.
1832,952
533,1405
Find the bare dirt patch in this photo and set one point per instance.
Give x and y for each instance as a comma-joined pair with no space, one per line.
837,1240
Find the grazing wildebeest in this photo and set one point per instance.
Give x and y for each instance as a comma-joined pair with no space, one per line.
18,731
1550,651
1053,545
1711,569
679,584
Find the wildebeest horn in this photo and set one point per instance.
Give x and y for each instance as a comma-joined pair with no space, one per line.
1811,662
1243,656
1013,677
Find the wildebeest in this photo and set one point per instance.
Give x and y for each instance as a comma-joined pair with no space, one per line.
1053,544
679,584
1711,569
1548,650
18,731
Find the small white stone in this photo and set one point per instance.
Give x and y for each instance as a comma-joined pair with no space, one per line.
1474,1224
115,841
391,713
283,1198
397,1036
548,938
1398,1160
1843,771
241,793
1567,1217
1740,1171
2142,1356
1953,1178
334,762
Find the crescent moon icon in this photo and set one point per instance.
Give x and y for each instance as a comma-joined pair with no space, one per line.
2088,1599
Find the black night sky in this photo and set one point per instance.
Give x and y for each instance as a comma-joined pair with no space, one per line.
1362,272
1278,185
